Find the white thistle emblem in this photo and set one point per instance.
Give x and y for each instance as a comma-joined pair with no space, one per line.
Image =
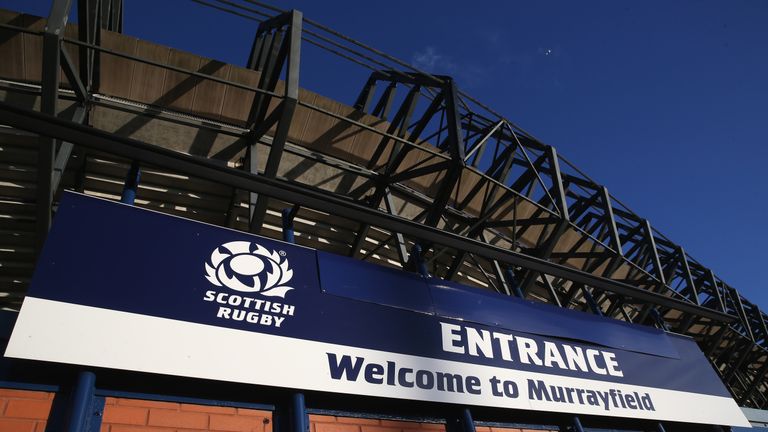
248,267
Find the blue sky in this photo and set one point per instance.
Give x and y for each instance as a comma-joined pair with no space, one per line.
665,103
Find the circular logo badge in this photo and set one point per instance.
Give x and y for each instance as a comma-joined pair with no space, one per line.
249,267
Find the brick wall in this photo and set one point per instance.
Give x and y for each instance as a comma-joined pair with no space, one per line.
24,411
134,415
27,411
348,424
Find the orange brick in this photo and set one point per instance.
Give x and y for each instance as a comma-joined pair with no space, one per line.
28,408
236,423
360,421
123,428
110,401
399,424
24,394
336,427
188,420
13,425
125,415
104,428
257,413
148,403
366,428
433,426
40,426
321,418
438,428
209,409
482,429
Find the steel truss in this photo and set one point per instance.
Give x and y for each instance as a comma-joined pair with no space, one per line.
488,204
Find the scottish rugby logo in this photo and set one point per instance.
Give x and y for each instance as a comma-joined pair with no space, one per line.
249,267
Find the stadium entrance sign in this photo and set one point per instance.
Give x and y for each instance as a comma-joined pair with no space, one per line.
126,288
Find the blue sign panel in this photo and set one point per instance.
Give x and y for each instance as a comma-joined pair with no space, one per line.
127,288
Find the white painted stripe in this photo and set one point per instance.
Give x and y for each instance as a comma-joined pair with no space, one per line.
68,333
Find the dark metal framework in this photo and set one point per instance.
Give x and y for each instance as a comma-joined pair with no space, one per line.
500,208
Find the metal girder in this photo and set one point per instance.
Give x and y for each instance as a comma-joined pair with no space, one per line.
756,381
399,127
481,142
64,152
529,176
671,264
402,250
651,242
743,314
498,271
743,355
418,172
688,276
363,102
562,224
74,80
495,186
581,207
52,36
112,15
384,105
269,55
720,290
93,16
611,221
455,144
53,155
295,193
89,31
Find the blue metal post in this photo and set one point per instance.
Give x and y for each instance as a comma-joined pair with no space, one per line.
512,281
659,320
467,423
591,302
288,215
460,420
81,403
132,180
295,412
577,427
660,428
418,260
299,419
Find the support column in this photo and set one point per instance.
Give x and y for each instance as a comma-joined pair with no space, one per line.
277,45
131,185
460,421
52,36
291,414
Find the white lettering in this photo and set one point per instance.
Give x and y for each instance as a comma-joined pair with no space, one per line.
552,355
504,340
527,348
611,364
481,340
592,359
450,335
575,358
